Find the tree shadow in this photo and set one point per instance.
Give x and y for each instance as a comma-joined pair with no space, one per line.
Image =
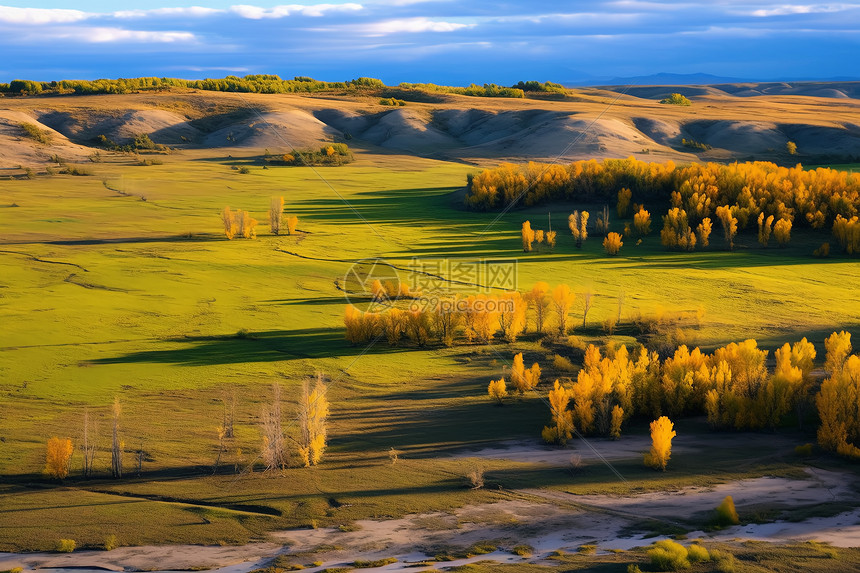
265,346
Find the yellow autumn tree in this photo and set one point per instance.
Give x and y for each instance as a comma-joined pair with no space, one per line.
623,206
539,301
524,379
228,218
528,236
538,236
782,232
642,222
58,457
662,433
313,413
582,392
703,232
612,244
838,347
497,390
562,427
292,223
729,223
550,239
562,301
765,226
578,224
617,419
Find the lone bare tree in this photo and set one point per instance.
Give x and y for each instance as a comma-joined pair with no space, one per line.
586,306
116,445
274,452
88,445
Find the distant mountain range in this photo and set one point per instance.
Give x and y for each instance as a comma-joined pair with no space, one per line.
688,80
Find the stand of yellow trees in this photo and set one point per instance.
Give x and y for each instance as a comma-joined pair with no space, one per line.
732,386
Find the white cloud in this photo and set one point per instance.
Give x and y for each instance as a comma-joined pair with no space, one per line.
315,10
192,11
102,35
40,15
791,9
411,25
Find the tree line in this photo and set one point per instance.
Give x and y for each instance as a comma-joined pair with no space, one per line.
479,318
253,83
811,198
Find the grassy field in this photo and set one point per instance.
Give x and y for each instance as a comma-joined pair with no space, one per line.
121,285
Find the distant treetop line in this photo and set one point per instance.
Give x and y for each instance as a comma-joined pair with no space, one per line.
261,83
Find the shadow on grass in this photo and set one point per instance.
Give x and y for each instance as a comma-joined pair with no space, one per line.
266,346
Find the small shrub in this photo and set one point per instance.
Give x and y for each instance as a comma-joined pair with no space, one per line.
633,568
523,550
575,464
823,251
805,450
361,564
111,542
693,144
668,555
392,102
475,478
589,549
65,545
697,553
791,147
725,562
726,514
78,171
33,132
244,170
393,455
562,363
676,99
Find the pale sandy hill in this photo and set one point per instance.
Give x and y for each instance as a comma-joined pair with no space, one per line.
661,131
122,126
408,130
18,148
275,130
480,130
567,138
737,136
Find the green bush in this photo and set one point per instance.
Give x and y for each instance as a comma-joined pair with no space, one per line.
110,542
669,555
78,171
676,99
725,561
805,450
523,550
361,564
726,514
693,144
65,545
33,132
697,553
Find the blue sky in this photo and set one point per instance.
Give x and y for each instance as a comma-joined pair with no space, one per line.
441,41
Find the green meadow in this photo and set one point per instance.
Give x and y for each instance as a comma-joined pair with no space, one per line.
121,284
